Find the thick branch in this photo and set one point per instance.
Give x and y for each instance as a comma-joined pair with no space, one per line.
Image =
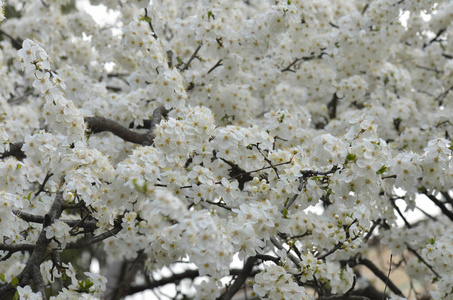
188,274
17,247
157,117
86,224
37,280
100,124
14,150
39,249
332,106
342,297
239,282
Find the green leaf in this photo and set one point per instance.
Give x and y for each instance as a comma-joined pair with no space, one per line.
85,285
342,273
145,18
285,213
432,241
383,169
280,120
14,282
2,277
350,156
145,187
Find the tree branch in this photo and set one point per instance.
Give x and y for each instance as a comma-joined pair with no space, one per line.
16,43
37,280
14,150
17,247
100,124
188,274
239,282
343,297
369,264
39,249
86,224
194,54
442,207
95,239
422,260
307,58
332,106
158,113
218,64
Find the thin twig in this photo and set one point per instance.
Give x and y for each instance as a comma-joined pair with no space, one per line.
388,275
95,239
218,64
442,207
194,54
41,188
422,260
408,225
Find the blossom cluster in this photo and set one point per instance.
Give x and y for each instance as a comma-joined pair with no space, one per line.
293,136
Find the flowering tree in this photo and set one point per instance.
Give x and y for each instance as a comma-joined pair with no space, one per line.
187,133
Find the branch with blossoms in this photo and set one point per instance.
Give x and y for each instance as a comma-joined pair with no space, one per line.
31,271
447,212
88,225
100,124
186,65
14,150
240,279
16,42
305,175
381,275
303,59
245,272
345,94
